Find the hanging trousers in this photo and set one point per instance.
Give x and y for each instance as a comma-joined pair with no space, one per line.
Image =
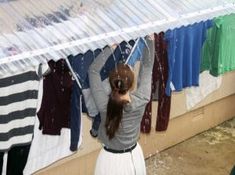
159,80
17,158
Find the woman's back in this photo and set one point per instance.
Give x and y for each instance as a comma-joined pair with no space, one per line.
120,121
129,128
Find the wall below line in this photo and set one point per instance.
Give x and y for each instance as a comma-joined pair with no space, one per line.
213,110
180,128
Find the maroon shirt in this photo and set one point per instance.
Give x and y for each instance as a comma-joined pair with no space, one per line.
55,107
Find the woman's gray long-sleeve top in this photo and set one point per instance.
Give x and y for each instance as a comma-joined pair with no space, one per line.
129,129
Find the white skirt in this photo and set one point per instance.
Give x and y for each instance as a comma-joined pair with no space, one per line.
129,163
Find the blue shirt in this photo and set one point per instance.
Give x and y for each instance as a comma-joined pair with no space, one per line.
80,64
184,54
136,52
128,53
119,55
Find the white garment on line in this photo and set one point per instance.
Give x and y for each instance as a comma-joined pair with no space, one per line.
207,85
47,149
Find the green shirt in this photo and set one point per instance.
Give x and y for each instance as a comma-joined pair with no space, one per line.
218,54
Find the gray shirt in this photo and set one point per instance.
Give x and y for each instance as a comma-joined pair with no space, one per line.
129,129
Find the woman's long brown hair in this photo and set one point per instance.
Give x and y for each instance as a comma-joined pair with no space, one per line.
121,80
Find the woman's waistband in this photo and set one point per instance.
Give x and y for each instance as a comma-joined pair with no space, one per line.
120,151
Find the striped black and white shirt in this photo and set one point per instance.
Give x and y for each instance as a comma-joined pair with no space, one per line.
18,103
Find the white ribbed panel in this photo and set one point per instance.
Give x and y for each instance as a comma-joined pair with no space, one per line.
94,25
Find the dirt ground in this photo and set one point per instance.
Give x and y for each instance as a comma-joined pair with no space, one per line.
209,153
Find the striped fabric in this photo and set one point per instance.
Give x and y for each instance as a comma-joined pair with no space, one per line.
18,102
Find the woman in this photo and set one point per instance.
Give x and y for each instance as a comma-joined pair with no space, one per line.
121,113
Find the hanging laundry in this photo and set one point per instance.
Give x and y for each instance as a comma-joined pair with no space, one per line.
218,50
184,53
119,55
130,124
80,64
18,102
208,84
128,53
136,52
159,80
75,117
16,159
55,107
47,149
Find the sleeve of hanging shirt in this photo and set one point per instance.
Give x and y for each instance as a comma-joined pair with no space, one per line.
142,95
42,70
97,90
136,53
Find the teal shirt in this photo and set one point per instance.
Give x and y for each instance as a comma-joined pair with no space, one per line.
218,54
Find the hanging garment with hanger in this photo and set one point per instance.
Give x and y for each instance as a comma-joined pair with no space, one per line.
126,52
136,52
218,50
119,55
47,149
159,79
55,107
80,64
184,53
18,102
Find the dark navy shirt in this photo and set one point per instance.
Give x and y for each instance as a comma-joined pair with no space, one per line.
80,64
119,55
